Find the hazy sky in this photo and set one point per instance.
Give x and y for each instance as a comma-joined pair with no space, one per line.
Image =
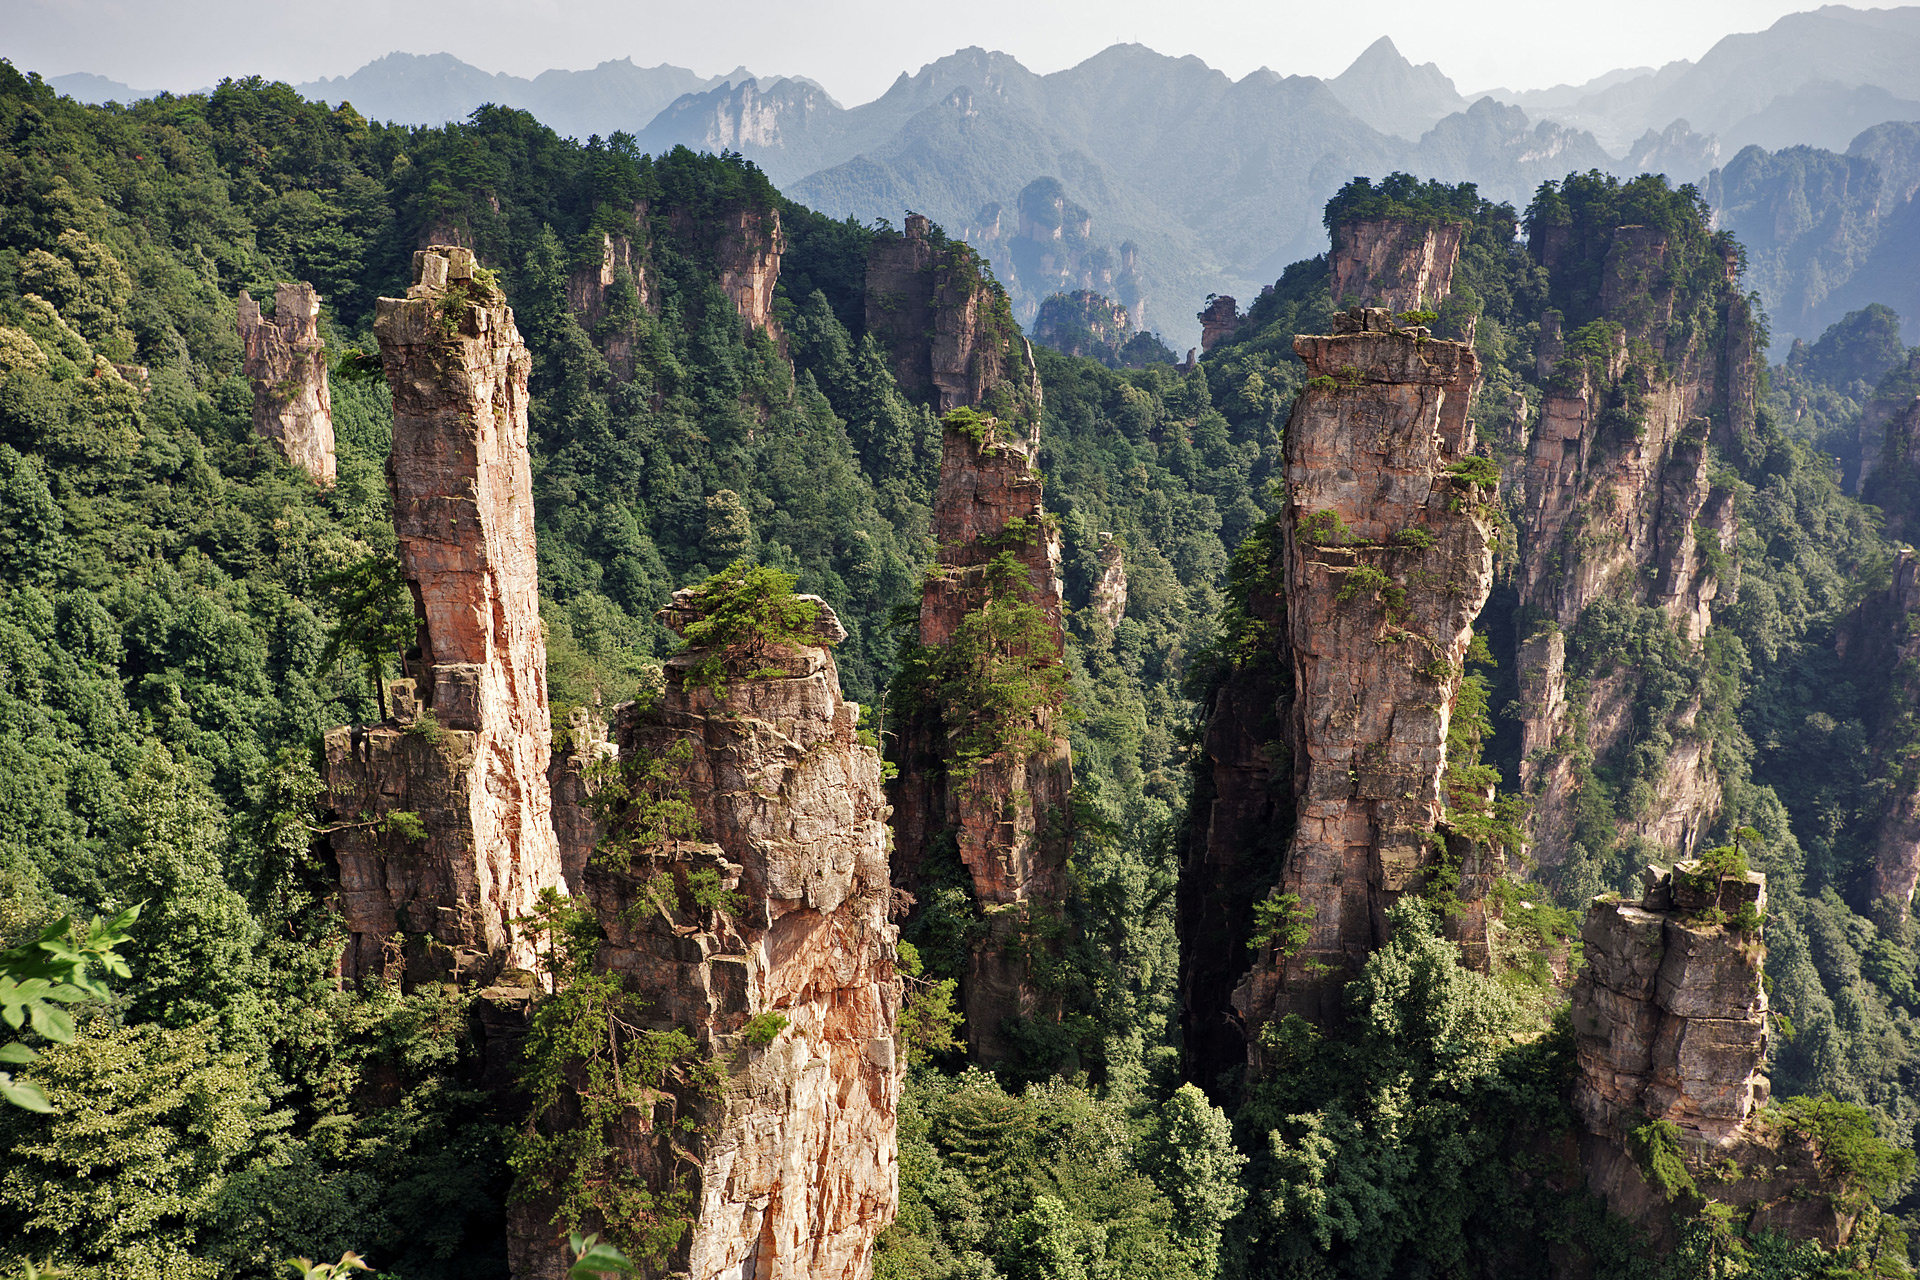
855,47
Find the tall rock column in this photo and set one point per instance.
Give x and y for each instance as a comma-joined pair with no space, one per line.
766,937
1008,811
467,750
1396,263
1880,640
1388,550
934,305
287,364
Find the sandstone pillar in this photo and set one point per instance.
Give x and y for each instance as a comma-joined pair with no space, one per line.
468,748
286,362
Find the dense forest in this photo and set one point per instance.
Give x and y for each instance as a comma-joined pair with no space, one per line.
173,598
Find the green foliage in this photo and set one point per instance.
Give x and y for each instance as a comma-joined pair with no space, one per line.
764,1028
40,977
1475,469
1657,1149
998,683
375,615
642,802
1401,195
307,1269
974,425
1279,921
590,1068
748,616
1844,1135
594,1260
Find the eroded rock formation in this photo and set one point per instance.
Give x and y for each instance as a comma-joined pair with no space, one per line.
1669,1013
948,326
1398,263
791,1165
286,362
467,747
1670,1024
747,251
1388,555
1880,641
1617,502
1219,321
1006,814
1108,598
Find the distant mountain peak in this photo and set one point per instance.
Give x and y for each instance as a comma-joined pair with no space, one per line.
1392,94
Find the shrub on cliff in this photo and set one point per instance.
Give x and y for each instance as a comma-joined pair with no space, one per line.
748,618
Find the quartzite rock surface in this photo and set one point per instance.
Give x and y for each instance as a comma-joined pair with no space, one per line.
1219,321
469,743
1880,640
286,361
794,1172
1389,558
1397,263
1670,1023
1000,814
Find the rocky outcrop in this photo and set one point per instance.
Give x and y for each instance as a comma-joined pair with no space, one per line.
1617,501
286,362
781,968
1398,263
1004,811
1881,642
594,291
1670,1024
1388,553
747,252
1108,599
1219,321
934,308
467,749
1669,1013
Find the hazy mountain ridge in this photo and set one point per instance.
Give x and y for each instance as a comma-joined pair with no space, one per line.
1214,183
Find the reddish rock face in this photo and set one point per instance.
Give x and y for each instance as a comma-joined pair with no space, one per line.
1397,263
1001,814
794,1171
287,364
1389,558
948,326
748,255
1616,500
1218,322
1880,636
472,748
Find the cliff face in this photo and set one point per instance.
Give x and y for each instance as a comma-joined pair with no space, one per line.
747,251
1006,812
1670,1023
1669,1012
1397,263
1617,502
1879,640
948,326
792,1162
467,749
1219,321
1388,552
287,364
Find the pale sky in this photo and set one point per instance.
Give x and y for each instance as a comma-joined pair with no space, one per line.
856,47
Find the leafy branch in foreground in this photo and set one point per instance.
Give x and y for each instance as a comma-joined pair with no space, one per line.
38,978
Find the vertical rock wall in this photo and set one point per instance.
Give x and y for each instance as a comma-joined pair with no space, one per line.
467,749
1389,557
287,364
747,250
1219,321
931,303
1397,263
1669,1012
1006,816
1616,500
1880,641
1670,1024
793,1165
